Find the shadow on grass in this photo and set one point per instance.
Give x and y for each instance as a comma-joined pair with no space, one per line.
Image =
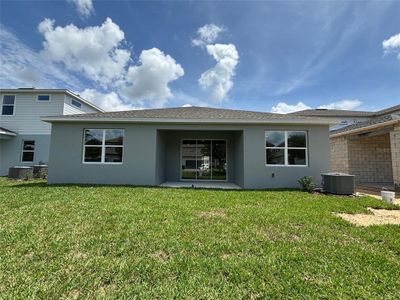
44,184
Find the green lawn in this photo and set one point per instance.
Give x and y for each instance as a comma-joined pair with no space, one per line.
127,242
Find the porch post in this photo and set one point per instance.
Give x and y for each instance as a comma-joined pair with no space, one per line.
395,150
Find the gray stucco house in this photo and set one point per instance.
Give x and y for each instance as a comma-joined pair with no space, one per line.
188,145
24,138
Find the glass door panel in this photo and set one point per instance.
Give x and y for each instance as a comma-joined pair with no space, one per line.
203,159
218,156
188,159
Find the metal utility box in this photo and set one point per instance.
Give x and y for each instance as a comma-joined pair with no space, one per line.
24,173
338,183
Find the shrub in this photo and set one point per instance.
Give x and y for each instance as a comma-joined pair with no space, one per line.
307,183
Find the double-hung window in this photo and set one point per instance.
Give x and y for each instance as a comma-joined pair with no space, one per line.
104,146
8,106
286,148
28,151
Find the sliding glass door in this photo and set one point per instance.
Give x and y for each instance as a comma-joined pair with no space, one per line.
203,160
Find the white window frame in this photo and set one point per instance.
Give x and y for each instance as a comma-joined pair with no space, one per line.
23,151
286,148
72,100
2,104
43,101
103,147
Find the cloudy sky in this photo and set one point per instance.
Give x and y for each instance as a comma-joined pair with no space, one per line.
264,56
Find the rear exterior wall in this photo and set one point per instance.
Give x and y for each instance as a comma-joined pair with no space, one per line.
145,158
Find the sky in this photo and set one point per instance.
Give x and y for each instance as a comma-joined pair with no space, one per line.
271,56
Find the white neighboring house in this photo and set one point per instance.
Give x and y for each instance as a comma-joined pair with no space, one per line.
24,138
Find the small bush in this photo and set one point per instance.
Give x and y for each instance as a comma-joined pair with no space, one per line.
307,183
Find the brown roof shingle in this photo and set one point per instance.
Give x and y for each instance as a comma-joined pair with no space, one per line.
184,113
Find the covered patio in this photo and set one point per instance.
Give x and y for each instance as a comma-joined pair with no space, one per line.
371,152
200,158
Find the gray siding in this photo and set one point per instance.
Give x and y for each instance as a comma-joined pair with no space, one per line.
69,109
28,110
10,151
152,154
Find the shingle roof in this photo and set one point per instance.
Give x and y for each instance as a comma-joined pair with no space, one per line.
332,113
373,121
320,112
185,113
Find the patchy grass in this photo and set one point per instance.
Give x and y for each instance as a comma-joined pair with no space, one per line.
125,242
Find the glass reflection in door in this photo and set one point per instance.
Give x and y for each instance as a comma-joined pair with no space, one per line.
218,156
203,159
188,159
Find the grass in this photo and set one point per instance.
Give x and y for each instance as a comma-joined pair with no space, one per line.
134,242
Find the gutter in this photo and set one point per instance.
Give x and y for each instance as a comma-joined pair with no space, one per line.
366,128
188,121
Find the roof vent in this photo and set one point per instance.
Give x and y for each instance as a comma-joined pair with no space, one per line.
27,88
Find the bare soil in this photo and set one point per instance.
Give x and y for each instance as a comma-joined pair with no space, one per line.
377,217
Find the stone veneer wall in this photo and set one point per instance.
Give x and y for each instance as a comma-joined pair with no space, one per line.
395,147
370,158
339,155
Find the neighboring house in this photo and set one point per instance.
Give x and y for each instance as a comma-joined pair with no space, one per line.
24,138
369,149
345,117
188,145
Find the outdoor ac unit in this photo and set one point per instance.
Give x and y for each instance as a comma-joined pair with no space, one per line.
338,183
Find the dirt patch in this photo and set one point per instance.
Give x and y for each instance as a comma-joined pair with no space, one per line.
160,255
211,214
378,217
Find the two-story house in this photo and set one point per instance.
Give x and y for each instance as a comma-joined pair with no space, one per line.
24,138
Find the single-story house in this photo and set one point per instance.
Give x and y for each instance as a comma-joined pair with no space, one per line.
188,145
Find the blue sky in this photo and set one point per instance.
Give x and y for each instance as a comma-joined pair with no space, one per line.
249,55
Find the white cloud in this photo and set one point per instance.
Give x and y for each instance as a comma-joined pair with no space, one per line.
84,7
207,34
343,104
187,105
95,51
392,45
219,78
107,101
23,67
283,108
147,83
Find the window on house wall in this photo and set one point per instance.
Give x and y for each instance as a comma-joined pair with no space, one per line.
76,103
103,145
43,98
28,151
8,106
286,148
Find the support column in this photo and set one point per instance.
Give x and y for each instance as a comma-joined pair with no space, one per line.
395,150
339,155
